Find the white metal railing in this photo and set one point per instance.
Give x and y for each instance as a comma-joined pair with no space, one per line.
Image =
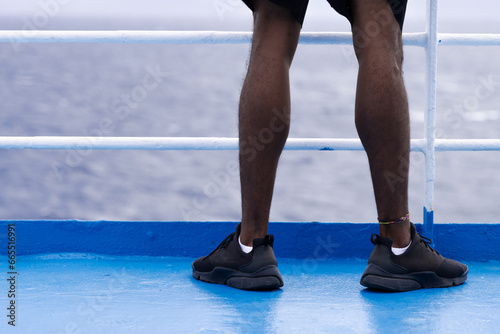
430,115
427,145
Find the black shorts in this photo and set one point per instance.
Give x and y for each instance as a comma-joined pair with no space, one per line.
299,7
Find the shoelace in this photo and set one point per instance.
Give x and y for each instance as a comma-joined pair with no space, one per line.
427,243
223,244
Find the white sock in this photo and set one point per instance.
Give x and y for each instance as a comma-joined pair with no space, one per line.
399,251
244,248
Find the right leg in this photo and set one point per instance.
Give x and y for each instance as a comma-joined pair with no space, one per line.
264,113
264,120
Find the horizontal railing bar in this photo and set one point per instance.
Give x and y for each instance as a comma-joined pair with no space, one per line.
125,36
445,39
223,143
217,37
165,143
119,143
467,144
174,37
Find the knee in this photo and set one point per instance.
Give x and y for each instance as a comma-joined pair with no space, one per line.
375,32
276,30
381,48
267,11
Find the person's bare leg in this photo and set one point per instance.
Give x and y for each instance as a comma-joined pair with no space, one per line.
264,113
382,117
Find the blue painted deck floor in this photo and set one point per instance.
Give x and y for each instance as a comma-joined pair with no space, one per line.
82,293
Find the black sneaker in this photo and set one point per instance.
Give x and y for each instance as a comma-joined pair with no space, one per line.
228,264
419,266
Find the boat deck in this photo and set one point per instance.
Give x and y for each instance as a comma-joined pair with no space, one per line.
84,293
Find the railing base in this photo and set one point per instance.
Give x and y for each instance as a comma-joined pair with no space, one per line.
304,240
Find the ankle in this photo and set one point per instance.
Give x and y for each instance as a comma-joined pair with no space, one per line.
247,235
399,233
248,240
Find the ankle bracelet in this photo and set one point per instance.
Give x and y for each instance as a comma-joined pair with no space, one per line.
399,220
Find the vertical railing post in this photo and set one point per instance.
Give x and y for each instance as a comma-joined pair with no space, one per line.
430,115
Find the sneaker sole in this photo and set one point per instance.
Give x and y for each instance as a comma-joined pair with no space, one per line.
377,278
267,278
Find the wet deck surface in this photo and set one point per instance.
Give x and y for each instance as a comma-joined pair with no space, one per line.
79,293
